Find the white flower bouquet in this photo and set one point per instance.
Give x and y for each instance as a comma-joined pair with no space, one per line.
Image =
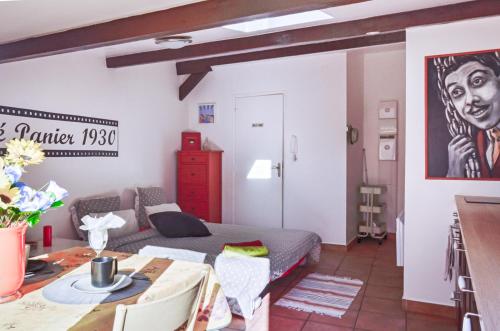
19,203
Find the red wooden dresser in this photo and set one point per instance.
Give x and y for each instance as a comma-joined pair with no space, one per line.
199,184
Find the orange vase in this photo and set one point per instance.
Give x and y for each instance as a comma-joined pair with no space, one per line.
12,262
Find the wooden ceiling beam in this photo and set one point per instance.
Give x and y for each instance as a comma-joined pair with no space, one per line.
190,83
192,17
202,65
386,23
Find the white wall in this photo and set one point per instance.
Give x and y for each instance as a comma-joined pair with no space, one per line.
430,203
355,93
144,101
384,79
315,110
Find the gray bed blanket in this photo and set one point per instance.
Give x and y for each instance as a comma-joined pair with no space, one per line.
286,247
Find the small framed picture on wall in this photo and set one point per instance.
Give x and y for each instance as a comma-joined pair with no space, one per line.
206,113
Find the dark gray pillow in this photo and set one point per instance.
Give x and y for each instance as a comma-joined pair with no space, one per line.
148,196
89,206
174,224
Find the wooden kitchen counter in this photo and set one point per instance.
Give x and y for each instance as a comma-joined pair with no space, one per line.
480,225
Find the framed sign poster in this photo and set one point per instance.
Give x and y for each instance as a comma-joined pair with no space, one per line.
61,135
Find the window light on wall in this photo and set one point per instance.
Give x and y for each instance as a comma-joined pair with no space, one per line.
280,21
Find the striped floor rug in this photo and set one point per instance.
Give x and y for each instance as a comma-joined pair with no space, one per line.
322,294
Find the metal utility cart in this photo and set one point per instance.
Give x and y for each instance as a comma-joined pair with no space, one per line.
372,226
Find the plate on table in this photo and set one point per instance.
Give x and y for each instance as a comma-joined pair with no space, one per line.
84,284
35,265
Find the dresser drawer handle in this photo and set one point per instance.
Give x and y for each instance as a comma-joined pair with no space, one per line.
467,325
192,159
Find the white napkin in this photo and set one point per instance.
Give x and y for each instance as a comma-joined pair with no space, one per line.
108,221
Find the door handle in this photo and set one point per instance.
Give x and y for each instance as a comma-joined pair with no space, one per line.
278,168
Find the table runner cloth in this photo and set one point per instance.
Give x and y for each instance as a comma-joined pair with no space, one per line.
34,312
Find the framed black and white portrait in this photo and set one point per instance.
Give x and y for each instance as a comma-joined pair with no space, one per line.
463,116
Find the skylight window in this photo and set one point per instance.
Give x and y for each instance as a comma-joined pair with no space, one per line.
280,21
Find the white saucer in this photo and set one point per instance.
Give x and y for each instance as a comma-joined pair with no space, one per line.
84,284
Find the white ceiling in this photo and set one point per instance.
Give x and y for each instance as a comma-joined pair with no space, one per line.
27,18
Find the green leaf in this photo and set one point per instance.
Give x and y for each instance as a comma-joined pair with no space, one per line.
34,219
57,204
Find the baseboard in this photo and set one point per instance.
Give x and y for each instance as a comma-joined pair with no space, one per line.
429,308
352,242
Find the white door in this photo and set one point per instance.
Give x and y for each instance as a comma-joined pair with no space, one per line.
259,161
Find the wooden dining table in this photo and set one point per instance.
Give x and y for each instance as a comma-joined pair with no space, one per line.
35,312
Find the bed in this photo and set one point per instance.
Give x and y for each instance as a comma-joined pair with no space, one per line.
286,247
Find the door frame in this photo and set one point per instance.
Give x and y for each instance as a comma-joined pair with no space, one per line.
283,167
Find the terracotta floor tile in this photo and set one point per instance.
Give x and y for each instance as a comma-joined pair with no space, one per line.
352,274
277,292
387,270
386,251
347,320
356,303
313,326
383,306
362,250
379,322
384,292
279,323
331,257
327,270
386,261
285,281
417,322
290,313
355,259
385,280
364,269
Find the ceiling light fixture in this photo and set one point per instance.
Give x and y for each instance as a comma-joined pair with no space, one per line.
174,42
280,21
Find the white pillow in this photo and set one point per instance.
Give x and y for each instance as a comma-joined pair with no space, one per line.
131,225
150,210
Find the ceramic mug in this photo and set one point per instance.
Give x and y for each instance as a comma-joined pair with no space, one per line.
103,271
